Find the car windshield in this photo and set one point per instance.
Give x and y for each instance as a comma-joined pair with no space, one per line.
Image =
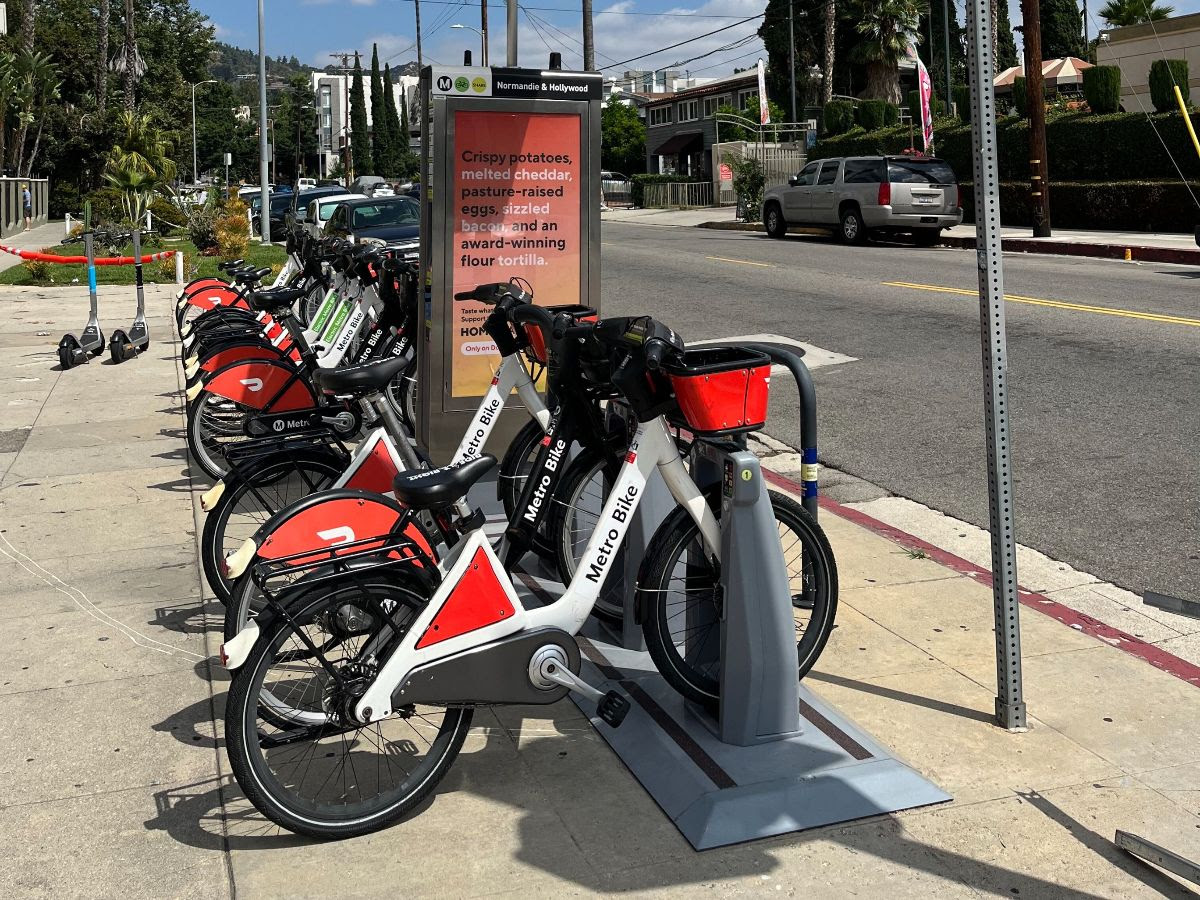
400,211
328,208
920,171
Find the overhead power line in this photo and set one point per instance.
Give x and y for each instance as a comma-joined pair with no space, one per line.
567,9
681,43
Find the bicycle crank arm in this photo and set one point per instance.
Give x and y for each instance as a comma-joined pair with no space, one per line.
548,667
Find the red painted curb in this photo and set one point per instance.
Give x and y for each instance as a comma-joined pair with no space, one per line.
1181,255
1134,646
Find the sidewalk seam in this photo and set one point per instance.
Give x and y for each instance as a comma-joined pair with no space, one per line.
1114,637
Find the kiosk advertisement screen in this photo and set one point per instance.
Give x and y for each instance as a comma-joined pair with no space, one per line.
517,206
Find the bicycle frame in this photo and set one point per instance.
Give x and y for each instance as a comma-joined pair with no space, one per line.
477,604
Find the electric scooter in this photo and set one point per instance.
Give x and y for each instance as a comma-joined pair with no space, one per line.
73,351
122,345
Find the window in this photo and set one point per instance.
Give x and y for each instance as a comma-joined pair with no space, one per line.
744,98
863,171
808,174
711,105
920,171
660,115
326,118
687,111
401,212
328,208
829,170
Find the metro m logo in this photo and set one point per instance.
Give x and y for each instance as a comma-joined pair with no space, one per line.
335,536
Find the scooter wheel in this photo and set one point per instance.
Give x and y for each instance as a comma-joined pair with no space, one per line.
69,351
100,347
118,346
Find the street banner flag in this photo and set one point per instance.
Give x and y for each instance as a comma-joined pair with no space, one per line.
764,113
926,104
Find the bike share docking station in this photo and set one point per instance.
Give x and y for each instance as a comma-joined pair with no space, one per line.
510,175
773,758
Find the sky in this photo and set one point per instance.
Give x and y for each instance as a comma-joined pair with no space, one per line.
313,29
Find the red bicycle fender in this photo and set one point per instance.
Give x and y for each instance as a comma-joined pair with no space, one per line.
201,283
342,520
255,382
222,358
218,295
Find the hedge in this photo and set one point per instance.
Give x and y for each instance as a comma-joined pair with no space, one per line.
1019,96
962,97
1081,146
872,114
1164,75
637,189
838,116
1102,88
1120,205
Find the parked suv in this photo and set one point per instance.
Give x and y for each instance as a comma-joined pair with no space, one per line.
864,195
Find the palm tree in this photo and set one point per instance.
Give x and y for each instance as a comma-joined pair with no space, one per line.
1119,13
47,85
885,26
140,164
827,67
8,91
101,73
129,61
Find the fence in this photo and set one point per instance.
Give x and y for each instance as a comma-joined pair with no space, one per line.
615,192
678,195
12,212
779,162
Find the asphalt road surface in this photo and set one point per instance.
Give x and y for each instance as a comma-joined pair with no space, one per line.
1104,379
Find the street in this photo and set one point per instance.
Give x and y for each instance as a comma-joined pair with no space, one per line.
1104,380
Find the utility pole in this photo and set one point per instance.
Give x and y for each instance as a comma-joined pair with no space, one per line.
589,49
417,11
264,209
1035,93
483,27
345,58
946,51
512,32
792,56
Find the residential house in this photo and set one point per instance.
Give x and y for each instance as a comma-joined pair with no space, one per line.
681,128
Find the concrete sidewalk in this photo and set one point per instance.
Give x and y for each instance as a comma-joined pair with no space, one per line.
1141,246
115,780
48,235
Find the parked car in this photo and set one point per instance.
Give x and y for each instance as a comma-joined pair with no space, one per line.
303,184
321,208
300,201
380,220
864,195
366,184
383,190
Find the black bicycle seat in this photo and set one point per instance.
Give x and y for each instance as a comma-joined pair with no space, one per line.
250,276
231,265
368,378
435,488
281,298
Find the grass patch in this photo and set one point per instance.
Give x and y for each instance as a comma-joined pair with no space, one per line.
194,265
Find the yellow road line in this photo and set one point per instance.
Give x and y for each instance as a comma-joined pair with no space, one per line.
743,262
1054,304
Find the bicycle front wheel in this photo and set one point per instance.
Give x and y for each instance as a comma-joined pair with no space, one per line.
678,591
333,779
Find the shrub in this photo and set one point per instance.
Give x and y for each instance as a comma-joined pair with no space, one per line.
232,229
637,190
749,182
871,114
962,99
838,116
106,205
164,269
39,270
1164,75
1019,96
1133,205
1102,88
166,215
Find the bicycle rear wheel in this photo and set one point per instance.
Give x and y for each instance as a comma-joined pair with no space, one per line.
514,472
333,779
678,592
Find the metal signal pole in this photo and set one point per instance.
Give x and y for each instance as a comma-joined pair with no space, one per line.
264,160
512,32
589,47
483,28
1035,93
792,55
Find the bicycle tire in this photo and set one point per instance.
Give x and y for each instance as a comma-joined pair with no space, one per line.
569,537
265,486
672,539
514,469
284,805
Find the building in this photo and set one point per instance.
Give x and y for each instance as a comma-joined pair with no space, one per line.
680,128
331,93
1135,47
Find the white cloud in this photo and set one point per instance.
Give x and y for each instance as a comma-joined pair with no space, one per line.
395,49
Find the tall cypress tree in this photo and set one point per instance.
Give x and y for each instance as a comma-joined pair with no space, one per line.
360,133
933,55
381,138
409,164
1062,29
1006,45
391,124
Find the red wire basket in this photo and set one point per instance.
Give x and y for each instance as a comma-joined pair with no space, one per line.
721,390
537,340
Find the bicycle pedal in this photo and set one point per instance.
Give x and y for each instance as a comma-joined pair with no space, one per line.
613,708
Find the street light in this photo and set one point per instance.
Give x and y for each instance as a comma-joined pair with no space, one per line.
482,39
195,172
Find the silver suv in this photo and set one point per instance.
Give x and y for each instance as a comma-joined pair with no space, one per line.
864,195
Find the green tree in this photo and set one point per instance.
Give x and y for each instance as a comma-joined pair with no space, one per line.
397,143
1119,13
1062,29
732,131
140,165
933,50
622,138
409,164
381,137
360,135
809,28
1006,44
884,27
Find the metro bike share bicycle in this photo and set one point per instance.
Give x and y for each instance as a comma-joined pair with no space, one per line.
384,640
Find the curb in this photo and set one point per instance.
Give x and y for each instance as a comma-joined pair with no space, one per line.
1180,255
1114,637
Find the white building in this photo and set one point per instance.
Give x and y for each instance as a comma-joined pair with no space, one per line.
331,93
